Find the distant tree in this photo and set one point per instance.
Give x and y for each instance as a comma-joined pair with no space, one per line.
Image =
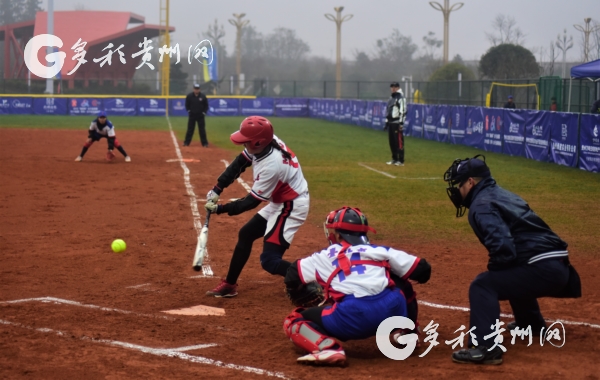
253,44
458,59
431,44
283,44
178,80
396,48
450,72
506,31
12,11
508,61
215,34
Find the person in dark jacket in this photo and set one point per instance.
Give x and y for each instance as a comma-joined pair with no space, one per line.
595,107
394,123
510,103
527,260
197,105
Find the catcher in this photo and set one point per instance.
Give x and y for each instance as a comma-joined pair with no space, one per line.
101,128
364,282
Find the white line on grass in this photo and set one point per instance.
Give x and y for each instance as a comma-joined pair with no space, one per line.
376,171
240,180
169,352
206,269
459,308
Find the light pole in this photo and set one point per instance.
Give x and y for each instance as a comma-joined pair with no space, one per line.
446,9
564,44
239,24
338,19
586,36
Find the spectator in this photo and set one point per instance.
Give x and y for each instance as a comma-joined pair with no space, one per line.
596,107
553,105
510,103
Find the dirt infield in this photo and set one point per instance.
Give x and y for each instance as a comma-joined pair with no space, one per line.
104,319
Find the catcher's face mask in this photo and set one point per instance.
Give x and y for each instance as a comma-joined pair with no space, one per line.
350,223
459,172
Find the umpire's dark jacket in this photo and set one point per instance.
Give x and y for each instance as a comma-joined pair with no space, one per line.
513,234
196,104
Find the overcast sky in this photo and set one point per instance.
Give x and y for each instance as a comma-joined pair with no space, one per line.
540,20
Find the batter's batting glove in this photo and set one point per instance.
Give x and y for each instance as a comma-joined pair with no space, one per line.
212,207
110,155
212,196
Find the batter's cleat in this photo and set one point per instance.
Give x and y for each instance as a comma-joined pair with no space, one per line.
223,290
127,159
78,158
325,357
478,355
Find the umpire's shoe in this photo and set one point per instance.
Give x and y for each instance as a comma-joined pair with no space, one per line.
478,355
224,289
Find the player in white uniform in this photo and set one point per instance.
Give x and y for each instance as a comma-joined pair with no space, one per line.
101,128
278,180
363,280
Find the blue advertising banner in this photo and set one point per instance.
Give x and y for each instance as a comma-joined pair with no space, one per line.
313,107
120,106
49,106
441,123
223,107
258,106
291,107
152,107
415,117
563,138
21,106
537,135
429,129
474,134
346,111
322,109
457,124
494,119
330,110
85,106
513,132
376,115
339,112
177,107
363,114
355,118
5,106
589,143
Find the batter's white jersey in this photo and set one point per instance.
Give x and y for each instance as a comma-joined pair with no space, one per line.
364,279
105,130
276,178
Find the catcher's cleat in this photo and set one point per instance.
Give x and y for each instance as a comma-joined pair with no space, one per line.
127,159
223,290
78,158
325,357
478,355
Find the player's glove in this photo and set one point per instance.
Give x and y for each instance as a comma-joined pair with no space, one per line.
110,155
307,295
212,196
211,206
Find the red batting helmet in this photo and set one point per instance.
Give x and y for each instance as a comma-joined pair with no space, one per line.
255,130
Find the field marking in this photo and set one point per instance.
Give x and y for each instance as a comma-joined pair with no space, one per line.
466,309
170,352
79,304
239,179
137,286
376,171
190,190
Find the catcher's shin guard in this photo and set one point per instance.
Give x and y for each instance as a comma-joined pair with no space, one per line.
306,334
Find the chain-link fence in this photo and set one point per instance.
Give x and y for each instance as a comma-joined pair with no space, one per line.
473,93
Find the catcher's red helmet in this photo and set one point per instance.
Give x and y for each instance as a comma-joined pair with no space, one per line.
350,223
255,130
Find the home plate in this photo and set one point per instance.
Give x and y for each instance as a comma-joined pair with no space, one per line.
183,160
197,310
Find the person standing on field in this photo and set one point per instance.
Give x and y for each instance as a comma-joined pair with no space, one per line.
196,105
394,123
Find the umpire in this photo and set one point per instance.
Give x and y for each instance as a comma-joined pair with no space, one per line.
197,105
527,260
394,123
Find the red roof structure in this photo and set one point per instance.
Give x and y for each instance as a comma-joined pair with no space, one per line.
98,29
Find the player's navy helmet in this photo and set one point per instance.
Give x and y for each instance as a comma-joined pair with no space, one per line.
350,223
255,130
102,114
458,173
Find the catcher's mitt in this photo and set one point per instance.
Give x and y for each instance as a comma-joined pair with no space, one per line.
308,295
110,155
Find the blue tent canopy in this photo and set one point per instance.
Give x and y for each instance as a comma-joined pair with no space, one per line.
586,70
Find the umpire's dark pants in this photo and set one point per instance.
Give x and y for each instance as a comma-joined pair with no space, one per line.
396,138
192,119
521,286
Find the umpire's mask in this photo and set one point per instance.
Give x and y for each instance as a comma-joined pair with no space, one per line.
458,173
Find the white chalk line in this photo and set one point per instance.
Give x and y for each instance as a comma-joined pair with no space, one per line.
206,269
466,309
137,286
170,352
376,171
239,179
79,304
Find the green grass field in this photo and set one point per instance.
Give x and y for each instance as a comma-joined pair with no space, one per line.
402,209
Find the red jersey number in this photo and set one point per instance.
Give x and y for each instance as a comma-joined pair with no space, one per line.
285,160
